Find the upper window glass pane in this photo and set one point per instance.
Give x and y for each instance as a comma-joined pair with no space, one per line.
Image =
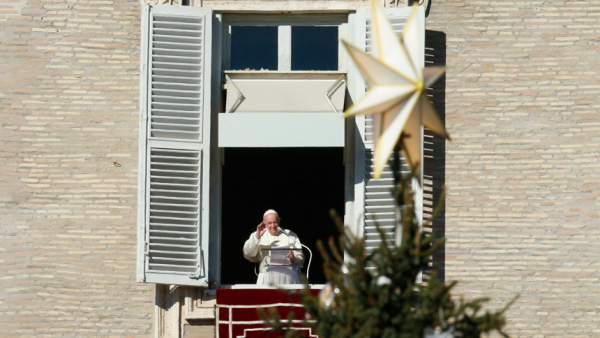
253,47
314,48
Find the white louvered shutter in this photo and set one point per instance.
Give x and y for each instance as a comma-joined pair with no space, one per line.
174,145
379,204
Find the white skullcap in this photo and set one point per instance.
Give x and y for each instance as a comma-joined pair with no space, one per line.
271,211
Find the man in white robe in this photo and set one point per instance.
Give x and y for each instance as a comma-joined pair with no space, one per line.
269,235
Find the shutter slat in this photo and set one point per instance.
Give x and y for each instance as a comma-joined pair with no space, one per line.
191,31
179,135
162,253
176,66
175,161
179,74
167,58
180,32
381,182
160,92
177,185
186,201
177,106
172,247
170,267
179,241
168,119
175,98
175,22
383,227
175,114
162,169
168,174
173,220
190,178
372,201
171,212
175,155
175,47
377,195
169,180
192,42
379,215
161,208
173,233
169,127
174,85
174,223
174,227
180,261
378,212
175,80
175,52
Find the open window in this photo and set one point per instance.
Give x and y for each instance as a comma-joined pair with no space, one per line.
302,184
189,203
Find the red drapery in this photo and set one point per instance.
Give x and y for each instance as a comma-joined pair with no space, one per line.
237,311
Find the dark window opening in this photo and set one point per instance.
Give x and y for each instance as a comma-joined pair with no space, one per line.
314,48
302,184
253,47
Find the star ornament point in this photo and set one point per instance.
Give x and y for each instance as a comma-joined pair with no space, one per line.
397,82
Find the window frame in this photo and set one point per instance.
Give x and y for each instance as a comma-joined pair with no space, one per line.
350,28
284,32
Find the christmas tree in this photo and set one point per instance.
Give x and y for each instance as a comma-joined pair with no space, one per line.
377,294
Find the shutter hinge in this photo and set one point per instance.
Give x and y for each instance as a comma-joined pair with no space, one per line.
195,275
146,249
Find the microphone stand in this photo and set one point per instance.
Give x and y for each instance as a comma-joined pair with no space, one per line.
304,246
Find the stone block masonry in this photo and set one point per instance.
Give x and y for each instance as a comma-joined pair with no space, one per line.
523,169
522,172
10,8
69,92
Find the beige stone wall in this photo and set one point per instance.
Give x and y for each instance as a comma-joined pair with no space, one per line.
10,8
68,171
523,169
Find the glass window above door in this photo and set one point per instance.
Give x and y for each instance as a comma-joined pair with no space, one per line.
254,47
314,48
283,43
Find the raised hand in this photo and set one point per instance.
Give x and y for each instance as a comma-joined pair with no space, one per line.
261,229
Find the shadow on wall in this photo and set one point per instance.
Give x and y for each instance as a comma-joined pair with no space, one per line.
434,149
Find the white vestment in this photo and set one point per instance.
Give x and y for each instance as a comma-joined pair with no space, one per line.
271,275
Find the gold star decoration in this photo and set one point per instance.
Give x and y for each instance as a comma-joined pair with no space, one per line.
397,88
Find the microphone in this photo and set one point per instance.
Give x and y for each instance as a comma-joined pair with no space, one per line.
304,246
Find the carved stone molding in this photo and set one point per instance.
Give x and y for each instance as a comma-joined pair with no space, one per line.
163,2
181,307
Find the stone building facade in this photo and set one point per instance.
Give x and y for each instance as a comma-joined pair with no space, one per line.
520,102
